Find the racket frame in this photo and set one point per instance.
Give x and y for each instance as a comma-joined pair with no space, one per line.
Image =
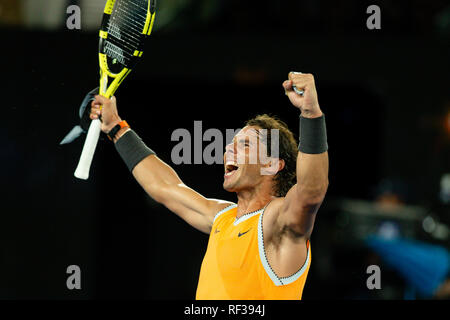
107,91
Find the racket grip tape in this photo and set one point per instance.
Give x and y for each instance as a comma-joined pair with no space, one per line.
84,165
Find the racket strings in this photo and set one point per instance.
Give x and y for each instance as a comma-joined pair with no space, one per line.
125,28
122,38
124,35
139,11
130,16
120,50
130,22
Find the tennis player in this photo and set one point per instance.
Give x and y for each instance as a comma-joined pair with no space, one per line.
259,247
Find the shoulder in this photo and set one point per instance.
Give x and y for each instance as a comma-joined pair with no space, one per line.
224,207
221,205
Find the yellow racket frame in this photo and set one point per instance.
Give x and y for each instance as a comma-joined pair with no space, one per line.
105,73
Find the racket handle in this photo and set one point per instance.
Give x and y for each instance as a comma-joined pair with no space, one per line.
82,171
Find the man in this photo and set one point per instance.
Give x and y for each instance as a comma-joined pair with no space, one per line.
259,247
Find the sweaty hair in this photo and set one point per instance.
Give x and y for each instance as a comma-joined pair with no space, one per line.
285,178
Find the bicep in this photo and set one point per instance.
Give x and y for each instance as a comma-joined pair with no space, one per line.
297,213
191,206
192,217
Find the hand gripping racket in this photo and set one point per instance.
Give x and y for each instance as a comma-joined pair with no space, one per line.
125,26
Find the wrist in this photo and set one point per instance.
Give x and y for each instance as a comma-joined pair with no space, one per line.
132,149
312,135
120,133
118,130
311,114
112,125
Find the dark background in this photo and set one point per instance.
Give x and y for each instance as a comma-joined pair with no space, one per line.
385,94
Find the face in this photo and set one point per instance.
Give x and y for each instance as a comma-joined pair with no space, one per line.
245,160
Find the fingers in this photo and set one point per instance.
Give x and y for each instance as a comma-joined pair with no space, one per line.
95,114
287,85
99,103
101,99
95,110
301,80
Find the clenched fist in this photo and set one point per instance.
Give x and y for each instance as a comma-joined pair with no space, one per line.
308,102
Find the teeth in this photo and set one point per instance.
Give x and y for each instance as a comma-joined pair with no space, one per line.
229,165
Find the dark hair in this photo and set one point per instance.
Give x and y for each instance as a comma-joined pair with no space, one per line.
285,178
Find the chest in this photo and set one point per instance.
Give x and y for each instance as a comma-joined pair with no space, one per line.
234,243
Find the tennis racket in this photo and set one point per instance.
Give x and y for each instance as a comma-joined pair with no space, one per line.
125,26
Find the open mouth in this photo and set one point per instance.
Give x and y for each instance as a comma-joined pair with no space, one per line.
230,168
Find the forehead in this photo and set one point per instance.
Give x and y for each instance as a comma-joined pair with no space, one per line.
248,132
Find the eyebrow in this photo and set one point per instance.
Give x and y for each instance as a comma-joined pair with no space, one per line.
242,139
248,134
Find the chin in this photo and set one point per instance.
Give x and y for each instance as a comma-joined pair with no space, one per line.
228,187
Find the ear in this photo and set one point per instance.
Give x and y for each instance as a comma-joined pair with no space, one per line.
272,167
281,164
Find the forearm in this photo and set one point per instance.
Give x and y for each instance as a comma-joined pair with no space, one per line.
156,177
312,159
150,172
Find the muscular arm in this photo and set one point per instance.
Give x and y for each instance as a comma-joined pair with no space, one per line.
159,180
289,221
299,208
302,202
162,183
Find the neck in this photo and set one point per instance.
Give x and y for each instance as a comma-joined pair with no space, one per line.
252,200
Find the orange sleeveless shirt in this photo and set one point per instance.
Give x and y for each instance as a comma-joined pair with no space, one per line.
235,266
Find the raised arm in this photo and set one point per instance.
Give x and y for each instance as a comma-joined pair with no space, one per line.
298,210
162,183
157,178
